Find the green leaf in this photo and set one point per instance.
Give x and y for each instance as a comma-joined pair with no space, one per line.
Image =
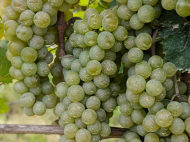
175,33
79,14
4,64
83,2
1,30
3,107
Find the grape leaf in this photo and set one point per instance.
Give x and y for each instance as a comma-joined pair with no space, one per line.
3,106
83,2
175,33
4,64
1,31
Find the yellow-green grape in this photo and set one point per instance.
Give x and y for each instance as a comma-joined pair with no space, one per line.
138,116
95,138
126,24
26,17
36,42
163,132
156,62
110,23
61,90
132,97
151,137
118,46
146,100
83,27
93,103
53,20
131,135
187,125
179,138
76,52
101,115
4,19
158,74
95,21
83,135
20,87
143,41
121,1
19,5
182,87
27,99
130,42
135,55
66,118
106,130
126,109
50,101
124,12
150,124
76,66
161,96
89,12
24,33
109,67
90,38
136,83
103,94
16,73
72,78
170,69
79,123
163,118
146,14
182,8
141,131
150,2
135,22
70,130
47,88
131,71
42,53
80,41
75,110
158,10
32,81
177,127
39,108
106,40
29,69
16,62
115,9
143,69
43,69
125,121
9,55
28,55
10,27
16,46
101,81
39,31
154,87
35,5
89,88
42,19
28,111
169,4
156,107
145,29
96,53
109,55
186,110
49,9
106,12
109,105
55,3
71,1
94,67
11,14
75,93
136,105
134,5
66,102
36,90
168,84
89,116
121,140
64,7
66,61
84,75
120,33
95,128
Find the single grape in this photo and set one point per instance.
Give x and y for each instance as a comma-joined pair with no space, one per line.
47,88
84,75
101,81
20,87
156,62
141,131
90,38
109,55
96,53
76,110
134,5
135,55
132,97
36,90
72,78
26,17
28,111
11,13
89,12
84,58
163,131
151,137
101,115
124,12
70,130
175,108
16,62
146,100
75,93
143,69
24,33
168,84
95,21
158,74
10,27
29,69
41,19
163,118
55,3
36,42
79,123
126,109
28,55
182,8
105,130
49,9
66,118
179,138
125,121
94,67
120,33
186,110
32,81
27,99
83,27
118,46
121,99
16,73
89,88
43,69
89,116
135,22
177,127
109,105
95,128
137,116
154,87
156,107
39,31
19,5
83,135
170,69
109,67
130,136
80,41
143,41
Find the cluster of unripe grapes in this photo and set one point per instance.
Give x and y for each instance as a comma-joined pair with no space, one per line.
97,48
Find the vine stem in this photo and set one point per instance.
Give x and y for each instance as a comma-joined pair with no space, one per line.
153,47
48,130
88,4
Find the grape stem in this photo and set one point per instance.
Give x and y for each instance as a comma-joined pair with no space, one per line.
48,129
153,47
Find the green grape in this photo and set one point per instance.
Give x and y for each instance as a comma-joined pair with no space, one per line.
110,23
89,12
26,17
137,116
95,138
161,96
66,118
10,27
76,66
24,33
106,12
163,118
115,89
43,69
4,19
49,9
50,101
36,42
39,31
182,87
75,93
101,115
29,69
150,124
186,110
28,111
76,110
16,62
135,22
84,100
135,55
95,128
9,55
36,90
144,31
44,79
156,107
68,48
49,38
150,2
143,69
106,130
55,3
65,139
130,42
70,130
143,41
20,87
120,140
151,137
158,10
16,46
47,88
118,46
126,24
168,84
131,71
83,135
109,55
156,62
79,123
177,127
56,70
11,14
134,5
122,1
126,109
95,21
39,108
132,97
19,5
125,121
146,14
175,108
182,8
169,4
35,5
154,87
146,100
89,116
94,67
27,99
121,99
16,73
84,58
106,40
120,33
101,81
41,19
136,84
141,131
130,136
96,53
80,41
158,74
89,88
103,94
109,67
179,138
170,69
83,27
42,53
71,1
66,102
124,12
84,75
187,125
90,38
115,9
109,105
32,81
163,131
66,61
